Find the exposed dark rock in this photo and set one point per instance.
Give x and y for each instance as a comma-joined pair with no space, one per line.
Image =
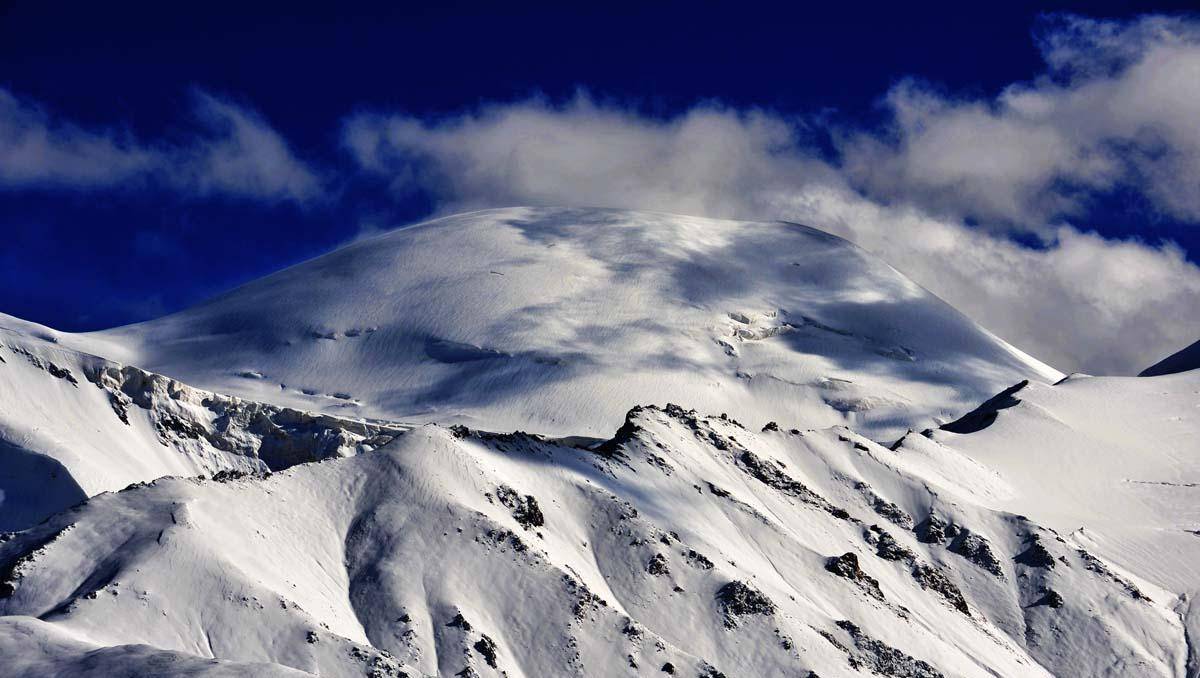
932,578
1037,555
668,669
772,476
697,559
50,367
61,373
1096,565
738,599
976,549
658,565
10,572
659,463
770,426
525,510
227,475
585,600
884,659
934,530
486,647
459,623
1051,598
120,405
983,416
381,664
846,565
626,434
730,420
885,508
501,538
886,546
278,437
717,491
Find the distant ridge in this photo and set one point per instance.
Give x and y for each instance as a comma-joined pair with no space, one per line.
1181,361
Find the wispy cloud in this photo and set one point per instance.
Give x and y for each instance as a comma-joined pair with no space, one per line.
230,150
1115,109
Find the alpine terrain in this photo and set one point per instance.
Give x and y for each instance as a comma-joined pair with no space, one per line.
585,442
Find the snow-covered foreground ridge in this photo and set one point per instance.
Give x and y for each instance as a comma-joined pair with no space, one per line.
314,522
684,543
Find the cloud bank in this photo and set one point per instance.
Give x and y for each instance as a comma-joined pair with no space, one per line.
937,191
952,190
229,151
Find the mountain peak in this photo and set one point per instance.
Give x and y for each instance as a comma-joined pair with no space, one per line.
561,319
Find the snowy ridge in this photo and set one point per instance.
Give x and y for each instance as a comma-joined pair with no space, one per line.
686,541
73,425
1113,461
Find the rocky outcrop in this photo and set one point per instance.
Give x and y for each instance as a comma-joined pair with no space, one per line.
192,419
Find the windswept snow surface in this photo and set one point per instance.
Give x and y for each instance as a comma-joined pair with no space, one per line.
560,320
319,524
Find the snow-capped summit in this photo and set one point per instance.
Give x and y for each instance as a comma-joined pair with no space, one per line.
560,320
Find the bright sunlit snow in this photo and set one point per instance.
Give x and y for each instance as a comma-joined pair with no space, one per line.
748,449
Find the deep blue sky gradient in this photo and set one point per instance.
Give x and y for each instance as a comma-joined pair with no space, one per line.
88,260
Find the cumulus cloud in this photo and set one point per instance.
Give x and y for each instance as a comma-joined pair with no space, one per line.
230,151
1116,109
1117,106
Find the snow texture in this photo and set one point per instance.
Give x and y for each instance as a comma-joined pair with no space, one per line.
315,482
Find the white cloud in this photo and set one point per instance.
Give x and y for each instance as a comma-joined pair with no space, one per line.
243,155
34,150
1031,159
232,151
1118,105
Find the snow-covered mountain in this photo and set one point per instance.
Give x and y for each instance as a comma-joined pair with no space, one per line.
347,500
559,321
73,425
1112,462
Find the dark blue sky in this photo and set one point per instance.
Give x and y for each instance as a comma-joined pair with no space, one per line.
87,259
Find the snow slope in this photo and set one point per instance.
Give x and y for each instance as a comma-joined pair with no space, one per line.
684,542
73,425
560,320
1112,461
318,525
